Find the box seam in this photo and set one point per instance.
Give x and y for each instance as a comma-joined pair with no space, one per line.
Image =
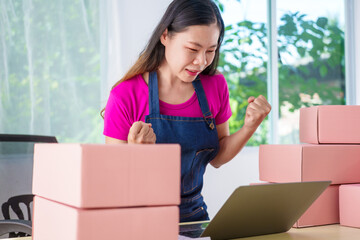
302,164
317,125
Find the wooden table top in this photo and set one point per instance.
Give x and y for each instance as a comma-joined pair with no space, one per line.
328,232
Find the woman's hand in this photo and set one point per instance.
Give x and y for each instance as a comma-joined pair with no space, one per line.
141,132
256,111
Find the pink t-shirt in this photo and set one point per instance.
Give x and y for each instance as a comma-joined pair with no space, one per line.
129,102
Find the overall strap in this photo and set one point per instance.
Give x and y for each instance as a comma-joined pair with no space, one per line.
153,94
200,93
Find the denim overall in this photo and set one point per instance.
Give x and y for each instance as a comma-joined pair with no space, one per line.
199,145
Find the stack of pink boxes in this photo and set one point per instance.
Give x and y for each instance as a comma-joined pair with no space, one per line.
331,151
93,191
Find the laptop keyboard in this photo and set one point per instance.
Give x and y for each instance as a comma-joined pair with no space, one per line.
193,230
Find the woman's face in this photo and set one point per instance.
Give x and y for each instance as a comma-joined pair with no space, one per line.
189,52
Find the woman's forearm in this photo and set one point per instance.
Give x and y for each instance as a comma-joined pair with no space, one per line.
231,145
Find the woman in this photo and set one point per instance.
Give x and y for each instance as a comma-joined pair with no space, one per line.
174,94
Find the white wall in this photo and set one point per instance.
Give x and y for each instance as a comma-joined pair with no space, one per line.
220,183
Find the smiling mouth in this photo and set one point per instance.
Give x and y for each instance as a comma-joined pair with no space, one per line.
191,72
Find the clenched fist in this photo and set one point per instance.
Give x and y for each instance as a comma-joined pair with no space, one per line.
141,132
256,111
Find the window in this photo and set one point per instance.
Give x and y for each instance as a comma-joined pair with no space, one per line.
50,81
311,59
244,58
50,69
310,69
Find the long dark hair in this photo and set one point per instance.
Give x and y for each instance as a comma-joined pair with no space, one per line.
179,15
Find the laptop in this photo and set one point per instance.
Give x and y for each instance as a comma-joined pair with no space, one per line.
257,210
16,167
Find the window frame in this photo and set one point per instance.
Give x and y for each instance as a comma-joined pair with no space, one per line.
352,62
273,72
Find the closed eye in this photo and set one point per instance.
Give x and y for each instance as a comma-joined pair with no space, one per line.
192,49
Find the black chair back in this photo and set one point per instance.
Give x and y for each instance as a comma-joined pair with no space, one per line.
16,165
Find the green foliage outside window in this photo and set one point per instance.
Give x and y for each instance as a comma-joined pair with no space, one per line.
50,69
318,79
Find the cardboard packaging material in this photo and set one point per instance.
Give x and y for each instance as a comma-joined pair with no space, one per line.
350,205
325,210
104,175
307,162
57,221
330,124
260,183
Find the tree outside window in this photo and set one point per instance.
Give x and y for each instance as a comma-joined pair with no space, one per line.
311,65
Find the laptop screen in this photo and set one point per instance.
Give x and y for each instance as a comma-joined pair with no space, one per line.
16,165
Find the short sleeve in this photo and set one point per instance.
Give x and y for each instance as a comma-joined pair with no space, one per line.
224,111
116,120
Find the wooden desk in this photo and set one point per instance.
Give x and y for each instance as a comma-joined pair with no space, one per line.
329,232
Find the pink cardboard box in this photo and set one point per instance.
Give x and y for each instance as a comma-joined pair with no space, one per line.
330,124
103,175
325,209
307,162
350,205
57,221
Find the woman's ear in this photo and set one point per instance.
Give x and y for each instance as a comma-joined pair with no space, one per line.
164,37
